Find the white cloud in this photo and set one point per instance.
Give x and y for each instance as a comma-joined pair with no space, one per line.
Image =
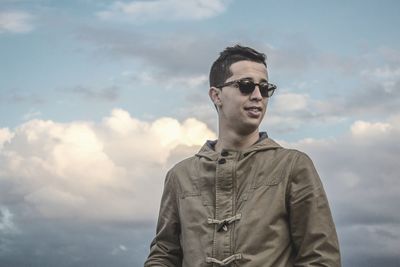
289,111
363,128
188,82
15,22
385,72
119,249
167,81
31,114
164,10
95,171
388,76
5,136
289,102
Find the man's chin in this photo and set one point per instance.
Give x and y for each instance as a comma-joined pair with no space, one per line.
249,128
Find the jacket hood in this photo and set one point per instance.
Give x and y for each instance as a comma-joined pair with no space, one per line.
264,143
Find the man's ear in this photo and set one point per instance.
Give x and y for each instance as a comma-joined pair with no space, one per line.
215,95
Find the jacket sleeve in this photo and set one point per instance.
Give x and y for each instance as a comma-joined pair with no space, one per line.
165,249
311,224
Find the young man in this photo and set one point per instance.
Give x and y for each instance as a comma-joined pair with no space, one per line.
243,200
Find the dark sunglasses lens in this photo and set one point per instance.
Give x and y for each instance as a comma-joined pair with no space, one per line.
265,90
246,87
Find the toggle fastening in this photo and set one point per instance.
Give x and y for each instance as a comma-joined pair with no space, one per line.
223,224
225,261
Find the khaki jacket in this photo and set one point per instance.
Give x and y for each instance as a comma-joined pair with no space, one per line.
264,206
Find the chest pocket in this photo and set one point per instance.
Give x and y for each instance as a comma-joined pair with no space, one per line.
258,174
199,187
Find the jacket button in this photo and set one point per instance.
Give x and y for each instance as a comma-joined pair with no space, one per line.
224,153
221,161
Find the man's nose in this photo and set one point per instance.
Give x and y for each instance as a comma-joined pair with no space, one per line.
256,94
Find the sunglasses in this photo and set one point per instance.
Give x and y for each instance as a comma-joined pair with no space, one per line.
247,87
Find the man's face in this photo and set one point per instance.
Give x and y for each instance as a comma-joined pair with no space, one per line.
239,112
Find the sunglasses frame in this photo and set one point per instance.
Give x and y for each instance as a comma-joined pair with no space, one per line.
270,91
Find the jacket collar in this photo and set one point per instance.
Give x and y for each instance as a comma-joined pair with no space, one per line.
263,143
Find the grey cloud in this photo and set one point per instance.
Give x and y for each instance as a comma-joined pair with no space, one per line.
360,175
21,97
170,52
368,261
67,243
171,55
296,55
291,56
365,212
369,246
378,92
375,96
374,99
104,94
181,53
6,221
364,209
199,106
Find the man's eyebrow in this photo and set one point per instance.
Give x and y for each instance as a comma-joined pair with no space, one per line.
251,79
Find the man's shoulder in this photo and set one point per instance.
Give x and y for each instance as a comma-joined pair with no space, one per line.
284,151
279,146
183,166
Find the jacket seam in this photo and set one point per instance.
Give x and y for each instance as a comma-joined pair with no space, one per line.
177,194
290,179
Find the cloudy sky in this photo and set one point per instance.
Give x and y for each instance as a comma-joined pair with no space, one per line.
99,98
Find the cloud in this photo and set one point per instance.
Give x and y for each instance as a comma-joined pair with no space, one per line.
8,229
385,72
185,62
164,10
360,173
374,92
290,56
65,188
105,94
296,55
6,221
31,114
5,136
362,129
95,171
164,54
291,102
15,22
71,181
185,82
378,95
288,111
21,97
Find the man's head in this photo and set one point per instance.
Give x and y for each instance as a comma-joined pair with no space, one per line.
220,69
239,89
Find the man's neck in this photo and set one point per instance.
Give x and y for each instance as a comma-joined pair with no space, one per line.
233,141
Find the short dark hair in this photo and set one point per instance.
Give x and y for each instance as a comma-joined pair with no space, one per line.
220,69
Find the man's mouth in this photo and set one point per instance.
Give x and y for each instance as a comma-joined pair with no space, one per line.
253,108
254,112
